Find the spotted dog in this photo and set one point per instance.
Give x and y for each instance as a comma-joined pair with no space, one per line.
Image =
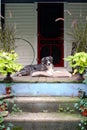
45,65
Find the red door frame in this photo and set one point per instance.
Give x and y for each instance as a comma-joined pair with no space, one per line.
40,46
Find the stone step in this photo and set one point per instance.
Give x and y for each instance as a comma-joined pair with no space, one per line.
45,121
42,104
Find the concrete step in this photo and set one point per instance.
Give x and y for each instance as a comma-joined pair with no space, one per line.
42,104
45,121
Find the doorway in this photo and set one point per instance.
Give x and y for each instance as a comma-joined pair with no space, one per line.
50,32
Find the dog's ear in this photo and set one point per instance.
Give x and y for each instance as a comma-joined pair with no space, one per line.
51,58
43,60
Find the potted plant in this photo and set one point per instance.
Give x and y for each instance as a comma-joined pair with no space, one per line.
78,62
8,88
8,64
8,57
78,34
82,106
7,34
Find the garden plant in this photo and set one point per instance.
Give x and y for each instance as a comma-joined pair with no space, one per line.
8,64
78,33
78,63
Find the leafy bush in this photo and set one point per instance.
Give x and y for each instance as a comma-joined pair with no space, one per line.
78,62
8,62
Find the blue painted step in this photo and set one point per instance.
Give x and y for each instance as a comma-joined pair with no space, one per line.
45,89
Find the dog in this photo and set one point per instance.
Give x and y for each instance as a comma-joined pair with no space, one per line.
45,65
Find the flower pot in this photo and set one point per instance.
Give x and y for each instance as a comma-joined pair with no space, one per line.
84,112
8,90
8,77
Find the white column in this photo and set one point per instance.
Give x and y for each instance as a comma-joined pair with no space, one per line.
0,13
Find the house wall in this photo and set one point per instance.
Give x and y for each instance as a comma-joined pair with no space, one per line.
24,17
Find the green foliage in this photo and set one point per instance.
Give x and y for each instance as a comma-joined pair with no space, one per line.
3,126
8,62
67,109
78,62
15,108
1,119
7,36
17,128
83,124
78,33
7,126
81,105
8,85
3,104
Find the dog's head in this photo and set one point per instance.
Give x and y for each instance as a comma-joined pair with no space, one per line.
47,60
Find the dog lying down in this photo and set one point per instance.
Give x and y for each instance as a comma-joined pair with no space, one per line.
46,65
44,69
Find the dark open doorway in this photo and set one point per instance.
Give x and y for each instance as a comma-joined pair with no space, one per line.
50,33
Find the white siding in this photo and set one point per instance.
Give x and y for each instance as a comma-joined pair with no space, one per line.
24,18
0,13
72,11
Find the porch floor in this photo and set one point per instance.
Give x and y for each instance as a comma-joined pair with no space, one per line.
62,76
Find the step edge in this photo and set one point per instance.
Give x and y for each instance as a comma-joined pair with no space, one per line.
27,116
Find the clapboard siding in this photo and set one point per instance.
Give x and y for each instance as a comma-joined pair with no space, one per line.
23,17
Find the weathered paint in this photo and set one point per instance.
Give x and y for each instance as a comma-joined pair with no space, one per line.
48,89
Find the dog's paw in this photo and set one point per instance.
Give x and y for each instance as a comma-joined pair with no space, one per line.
18,74
49,73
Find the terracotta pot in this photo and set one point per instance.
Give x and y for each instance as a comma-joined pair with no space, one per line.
8,78
84,112
8,90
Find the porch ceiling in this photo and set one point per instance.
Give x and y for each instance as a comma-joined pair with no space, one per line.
30,1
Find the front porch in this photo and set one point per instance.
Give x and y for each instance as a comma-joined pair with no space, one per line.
62,75
61,85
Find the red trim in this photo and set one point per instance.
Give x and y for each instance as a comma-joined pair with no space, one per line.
59,40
